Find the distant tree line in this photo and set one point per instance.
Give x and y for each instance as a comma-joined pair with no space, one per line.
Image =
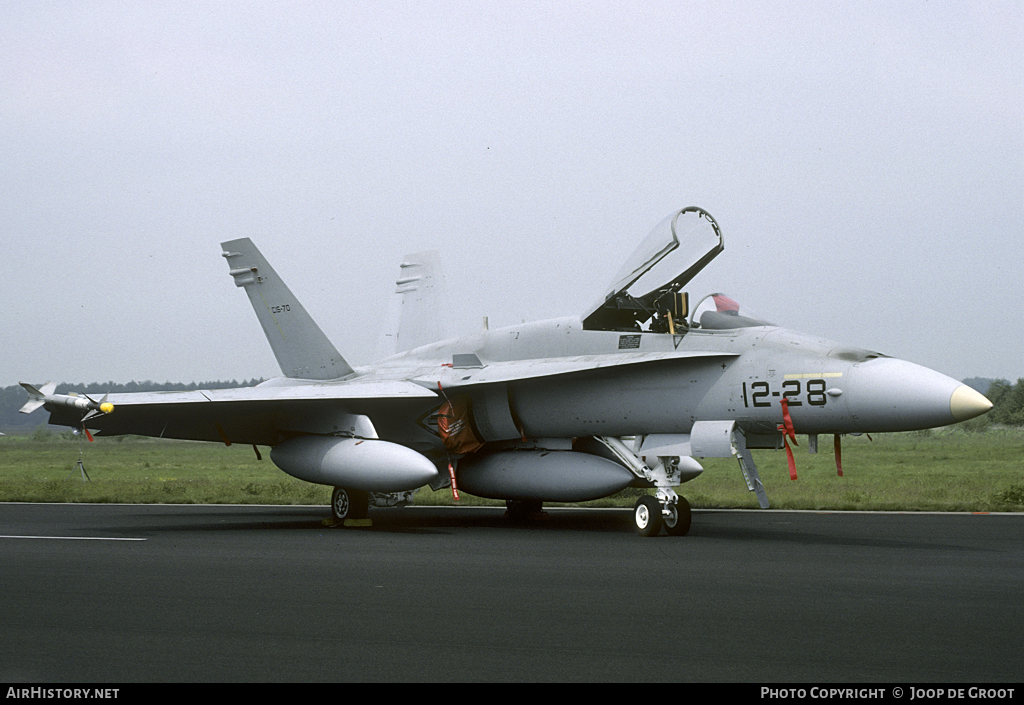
1008,403
13,398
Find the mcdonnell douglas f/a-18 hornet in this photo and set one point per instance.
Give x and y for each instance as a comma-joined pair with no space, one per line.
628,394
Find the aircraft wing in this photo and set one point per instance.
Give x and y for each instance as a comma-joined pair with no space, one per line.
261,415
357,389
251,415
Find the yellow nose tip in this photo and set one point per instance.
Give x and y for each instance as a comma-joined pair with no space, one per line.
967,403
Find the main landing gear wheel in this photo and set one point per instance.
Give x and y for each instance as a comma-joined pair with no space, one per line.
349,504
647,516
677,523
520,510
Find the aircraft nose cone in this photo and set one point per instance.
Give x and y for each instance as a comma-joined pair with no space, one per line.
966,403
888,394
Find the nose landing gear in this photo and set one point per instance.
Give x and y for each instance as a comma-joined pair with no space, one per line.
651,514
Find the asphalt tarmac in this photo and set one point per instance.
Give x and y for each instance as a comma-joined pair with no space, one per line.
180,593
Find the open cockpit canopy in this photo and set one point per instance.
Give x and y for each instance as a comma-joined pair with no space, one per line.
648,286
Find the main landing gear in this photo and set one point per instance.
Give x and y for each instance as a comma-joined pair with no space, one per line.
650,515
349,507
349,504
519,511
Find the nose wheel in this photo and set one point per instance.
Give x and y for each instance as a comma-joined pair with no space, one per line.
647,516
650,515
677,520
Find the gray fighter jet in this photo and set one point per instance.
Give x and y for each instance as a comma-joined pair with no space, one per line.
628,394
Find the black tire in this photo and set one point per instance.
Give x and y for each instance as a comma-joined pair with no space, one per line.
677,523
349,504
519,510
647,516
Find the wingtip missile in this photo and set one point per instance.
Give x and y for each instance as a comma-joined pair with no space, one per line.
45,395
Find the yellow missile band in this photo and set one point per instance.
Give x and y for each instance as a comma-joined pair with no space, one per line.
106,407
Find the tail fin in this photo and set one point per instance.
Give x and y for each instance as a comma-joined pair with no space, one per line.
418,311
301,348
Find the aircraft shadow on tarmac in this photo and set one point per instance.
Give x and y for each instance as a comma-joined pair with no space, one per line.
733,527
421,520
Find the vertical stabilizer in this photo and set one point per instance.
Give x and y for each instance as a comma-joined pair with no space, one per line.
418,311
301,348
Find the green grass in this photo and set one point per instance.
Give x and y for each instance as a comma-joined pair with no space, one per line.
137,470
946,470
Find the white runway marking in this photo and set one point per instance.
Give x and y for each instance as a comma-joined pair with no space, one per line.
73,538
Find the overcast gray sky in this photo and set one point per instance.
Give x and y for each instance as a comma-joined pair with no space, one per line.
864,160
